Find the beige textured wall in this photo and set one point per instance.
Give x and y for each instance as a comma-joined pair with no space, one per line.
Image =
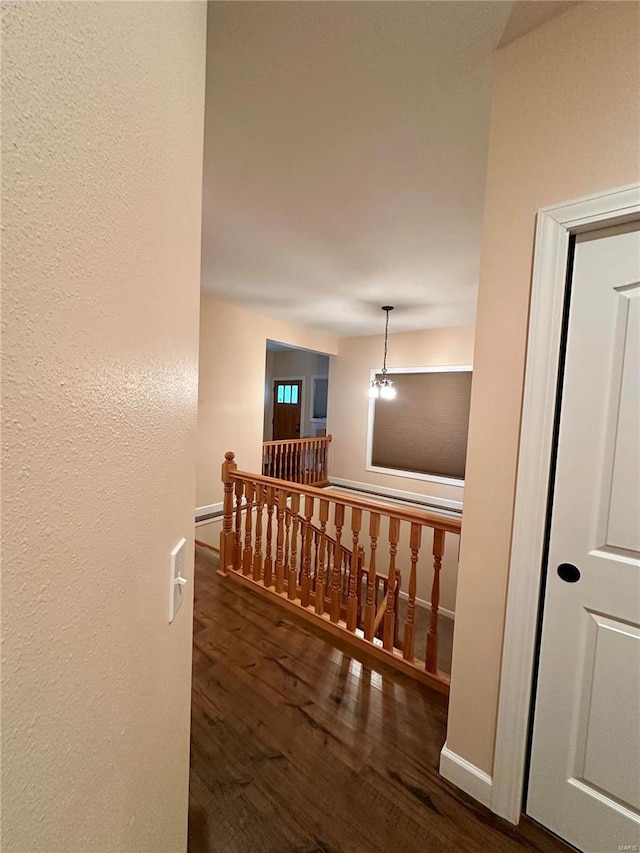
102,175
565,123
349,397
233,344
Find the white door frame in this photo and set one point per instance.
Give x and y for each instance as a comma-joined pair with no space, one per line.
555,225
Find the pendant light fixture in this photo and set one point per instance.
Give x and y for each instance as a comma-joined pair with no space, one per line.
383,387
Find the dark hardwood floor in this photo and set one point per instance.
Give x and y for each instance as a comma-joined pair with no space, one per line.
298,746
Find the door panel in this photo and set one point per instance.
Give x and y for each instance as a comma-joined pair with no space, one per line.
623,523
584,779
613,648
287,407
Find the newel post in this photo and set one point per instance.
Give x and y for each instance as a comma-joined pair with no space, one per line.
226,535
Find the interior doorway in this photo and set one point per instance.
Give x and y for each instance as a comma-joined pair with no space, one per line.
550,343
295,393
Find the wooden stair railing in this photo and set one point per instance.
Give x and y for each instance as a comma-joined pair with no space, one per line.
324,564
322,555
298,460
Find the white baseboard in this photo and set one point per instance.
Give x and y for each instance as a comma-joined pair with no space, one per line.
447,507
427,605
207,510
466,776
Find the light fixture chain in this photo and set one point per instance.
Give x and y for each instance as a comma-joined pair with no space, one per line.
386,335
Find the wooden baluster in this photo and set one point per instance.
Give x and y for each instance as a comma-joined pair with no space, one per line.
268,557
305,596
316,546
432,637
372,591
282,500
390,617
396,609
359,586
409,628
290,449
257,554
247,554
292,592
352,601
328,579
226,536
321,574
336,581
379,581
287,547
345,574
237,539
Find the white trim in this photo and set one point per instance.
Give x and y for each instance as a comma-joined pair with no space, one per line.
554,227
216,520
208,509
466,776
425,500
412,475
421,602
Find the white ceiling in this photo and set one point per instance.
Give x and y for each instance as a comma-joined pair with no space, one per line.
345,151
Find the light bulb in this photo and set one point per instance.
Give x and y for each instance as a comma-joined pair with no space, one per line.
388,392
374,391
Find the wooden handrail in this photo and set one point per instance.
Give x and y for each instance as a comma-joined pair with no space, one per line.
377,622
297,441
297,542
448,525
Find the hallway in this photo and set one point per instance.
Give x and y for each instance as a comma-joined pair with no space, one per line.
297,746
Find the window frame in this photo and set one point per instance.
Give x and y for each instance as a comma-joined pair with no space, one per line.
395,472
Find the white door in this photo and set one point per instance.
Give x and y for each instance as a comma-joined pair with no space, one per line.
584,781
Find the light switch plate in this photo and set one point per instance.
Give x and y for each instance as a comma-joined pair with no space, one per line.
177,579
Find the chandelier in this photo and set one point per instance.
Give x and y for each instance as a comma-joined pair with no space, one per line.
383,387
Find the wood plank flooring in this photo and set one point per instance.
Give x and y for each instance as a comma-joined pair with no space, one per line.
298,747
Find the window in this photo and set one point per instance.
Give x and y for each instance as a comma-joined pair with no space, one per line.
319,392
422,433
288,394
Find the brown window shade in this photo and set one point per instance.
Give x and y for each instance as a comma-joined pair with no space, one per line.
424,429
